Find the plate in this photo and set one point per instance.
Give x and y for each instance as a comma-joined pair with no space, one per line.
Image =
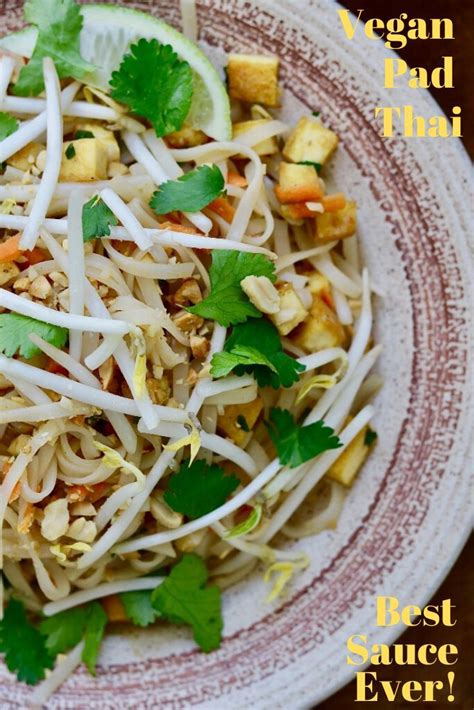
409,513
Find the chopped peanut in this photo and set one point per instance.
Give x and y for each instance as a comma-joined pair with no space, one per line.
188,292
159,390
187,321
82,530
8,271
199,346
56,519
291,311
262,293
40,288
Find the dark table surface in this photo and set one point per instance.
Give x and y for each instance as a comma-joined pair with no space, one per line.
459,585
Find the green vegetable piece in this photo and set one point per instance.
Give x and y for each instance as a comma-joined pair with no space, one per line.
317,166
227,303
189,193
15,330
59,24
70,152
197,489
370,437
93,634
24,647
138,607
184,598
97,219
225,362
83,134
296,444
242,422
8,125
283,370
64,630
154,83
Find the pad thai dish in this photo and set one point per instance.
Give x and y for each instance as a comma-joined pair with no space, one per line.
185,334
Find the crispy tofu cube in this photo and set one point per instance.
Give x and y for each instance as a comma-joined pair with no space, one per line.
253,78
104,136
336,225
89,161
347,465
321,328
186,137
8,271
237,418
291,313
298,183
269,146
25,158
310,140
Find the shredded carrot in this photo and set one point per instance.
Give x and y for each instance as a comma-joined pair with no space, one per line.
178,228
9,250
298,193
327,298
223,208
98,491
35,256
114,608
332,203
236,179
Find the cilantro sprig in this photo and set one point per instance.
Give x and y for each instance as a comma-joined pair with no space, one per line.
197,489
8,125
184,598
138,607
154,83
59,24
296,444
255,347
24,647
189,193
97,219
227,303
15,330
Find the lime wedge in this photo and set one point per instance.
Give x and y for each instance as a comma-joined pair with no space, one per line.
106,36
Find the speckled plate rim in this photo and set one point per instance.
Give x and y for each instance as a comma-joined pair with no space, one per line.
294,689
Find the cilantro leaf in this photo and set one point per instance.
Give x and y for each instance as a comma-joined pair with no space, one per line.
8,125
198,488
59,24
296,444
317,166
83,134
70,151
184,598
23,645
97,219
189,193
225,362
93,634
138,607
15,329
154,83
370,437
283,370
227,303
64,630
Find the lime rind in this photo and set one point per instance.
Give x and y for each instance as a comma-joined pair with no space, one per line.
210,110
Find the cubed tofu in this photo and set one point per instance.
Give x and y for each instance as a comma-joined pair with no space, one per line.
237,418
25,158
8,271
330,226
318,284
347,465
310,140
291,313
253,78
104,136
187,137
89,161
298,183
269,146
320,330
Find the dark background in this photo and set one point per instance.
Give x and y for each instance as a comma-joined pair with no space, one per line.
459,585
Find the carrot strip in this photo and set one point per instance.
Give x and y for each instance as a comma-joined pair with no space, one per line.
35,256
332,203
223,208
178,228
236,179
298,193
9,250
114,608
55,367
